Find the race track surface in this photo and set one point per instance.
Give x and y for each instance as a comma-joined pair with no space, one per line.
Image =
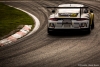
62,50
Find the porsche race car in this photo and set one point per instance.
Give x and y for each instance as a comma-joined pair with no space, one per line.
71,17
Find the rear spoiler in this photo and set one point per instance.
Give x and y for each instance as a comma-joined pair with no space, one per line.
68,7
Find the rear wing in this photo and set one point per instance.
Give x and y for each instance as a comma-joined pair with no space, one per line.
69,7
66,7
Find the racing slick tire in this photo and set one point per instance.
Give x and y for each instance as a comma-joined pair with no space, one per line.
89,30
92,26
49,32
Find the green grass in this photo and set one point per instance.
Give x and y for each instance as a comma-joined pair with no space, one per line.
11,18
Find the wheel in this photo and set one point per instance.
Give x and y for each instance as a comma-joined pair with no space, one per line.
49,32
92,26
89,30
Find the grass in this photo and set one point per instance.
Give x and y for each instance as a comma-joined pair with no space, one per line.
11,18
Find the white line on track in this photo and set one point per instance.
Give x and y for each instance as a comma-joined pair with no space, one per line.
17,36
37,22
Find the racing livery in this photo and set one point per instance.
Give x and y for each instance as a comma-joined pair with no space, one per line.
71,16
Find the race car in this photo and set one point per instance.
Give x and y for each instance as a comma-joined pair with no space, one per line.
71,17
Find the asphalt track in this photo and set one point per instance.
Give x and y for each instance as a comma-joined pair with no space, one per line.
75,49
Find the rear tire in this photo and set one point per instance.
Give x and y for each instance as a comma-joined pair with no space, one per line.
92,26
49,32
89,30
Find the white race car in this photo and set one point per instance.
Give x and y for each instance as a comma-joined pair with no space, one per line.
71,17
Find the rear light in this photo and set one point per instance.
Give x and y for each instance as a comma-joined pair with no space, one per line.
83,25
51,25
80,19
54,19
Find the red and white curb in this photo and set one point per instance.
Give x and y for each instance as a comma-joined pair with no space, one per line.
25,30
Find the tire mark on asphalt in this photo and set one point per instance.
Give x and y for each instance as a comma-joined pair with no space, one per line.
61,54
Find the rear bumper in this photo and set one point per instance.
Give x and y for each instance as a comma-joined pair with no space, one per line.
73,25
65,30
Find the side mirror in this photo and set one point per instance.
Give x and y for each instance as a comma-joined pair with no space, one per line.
53,11
91,11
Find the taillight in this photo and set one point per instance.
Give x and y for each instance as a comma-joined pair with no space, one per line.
51,25
83,25
80,19
54,19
